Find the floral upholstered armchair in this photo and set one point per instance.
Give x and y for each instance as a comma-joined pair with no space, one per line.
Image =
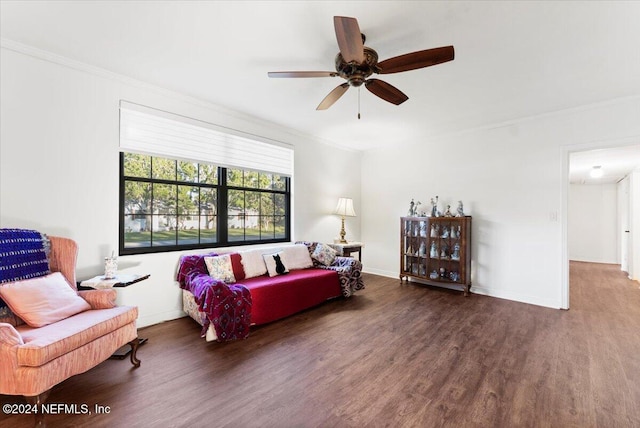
50,331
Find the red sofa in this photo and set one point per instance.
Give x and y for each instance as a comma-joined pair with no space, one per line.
280,296
227,309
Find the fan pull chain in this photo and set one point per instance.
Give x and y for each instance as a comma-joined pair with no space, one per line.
359,103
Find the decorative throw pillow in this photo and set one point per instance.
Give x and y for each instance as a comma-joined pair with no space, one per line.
276,264
297,257
324,254
236,264
190,265
43,300
220,268
25,255
253,263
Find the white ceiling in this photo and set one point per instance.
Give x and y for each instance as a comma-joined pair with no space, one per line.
615,163
513,59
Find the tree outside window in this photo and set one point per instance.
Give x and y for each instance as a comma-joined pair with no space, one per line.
169,204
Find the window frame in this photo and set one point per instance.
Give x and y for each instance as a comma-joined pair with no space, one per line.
222,211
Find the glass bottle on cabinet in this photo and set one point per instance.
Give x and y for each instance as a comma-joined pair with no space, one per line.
441,256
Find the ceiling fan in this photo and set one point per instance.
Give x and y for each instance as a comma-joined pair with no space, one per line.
356,62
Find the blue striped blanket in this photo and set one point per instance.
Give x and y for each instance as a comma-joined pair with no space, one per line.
23,255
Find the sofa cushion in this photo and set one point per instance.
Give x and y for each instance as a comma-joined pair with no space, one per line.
276,263
191,264
280,296
253,263
297,257
220,268
43,300
324,254
236,264
44,344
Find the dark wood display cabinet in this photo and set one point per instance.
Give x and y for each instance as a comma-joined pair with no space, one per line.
436,251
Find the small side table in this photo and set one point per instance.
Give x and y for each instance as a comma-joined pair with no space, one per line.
347,249
121,280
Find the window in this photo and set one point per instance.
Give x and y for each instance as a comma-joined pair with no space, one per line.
187,184
170,204
256,206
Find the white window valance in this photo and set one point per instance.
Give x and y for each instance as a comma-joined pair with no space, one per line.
155,132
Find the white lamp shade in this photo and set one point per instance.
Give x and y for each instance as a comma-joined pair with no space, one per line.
345,207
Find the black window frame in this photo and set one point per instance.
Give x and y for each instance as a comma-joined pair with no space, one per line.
222,212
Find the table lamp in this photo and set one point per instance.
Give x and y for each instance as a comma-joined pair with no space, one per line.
344,209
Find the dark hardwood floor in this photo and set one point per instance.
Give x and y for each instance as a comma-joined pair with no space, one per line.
394,355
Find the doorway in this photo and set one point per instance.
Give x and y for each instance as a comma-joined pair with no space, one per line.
624,210
600,231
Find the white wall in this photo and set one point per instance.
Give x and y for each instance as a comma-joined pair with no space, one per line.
59,166
624,200
634,225
512,180
593,217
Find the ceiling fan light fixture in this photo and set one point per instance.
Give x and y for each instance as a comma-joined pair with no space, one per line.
355,62
596,172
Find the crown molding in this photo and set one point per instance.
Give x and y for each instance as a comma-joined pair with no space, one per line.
130,81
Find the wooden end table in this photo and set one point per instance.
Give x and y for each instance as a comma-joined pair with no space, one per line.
347,249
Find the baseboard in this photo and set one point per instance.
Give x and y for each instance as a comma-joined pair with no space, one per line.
152,319
388,274
595,261
500,294
516,297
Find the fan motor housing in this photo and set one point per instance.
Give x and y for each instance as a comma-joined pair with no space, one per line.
356,73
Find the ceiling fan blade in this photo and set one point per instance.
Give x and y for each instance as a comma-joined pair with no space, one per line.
302,74
333,96
386,91
349,39
414,60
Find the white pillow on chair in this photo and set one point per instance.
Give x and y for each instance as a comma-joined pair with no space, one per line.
43,300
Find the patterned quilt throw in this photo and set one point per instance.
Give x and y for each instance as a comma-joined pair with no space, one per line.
227,306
